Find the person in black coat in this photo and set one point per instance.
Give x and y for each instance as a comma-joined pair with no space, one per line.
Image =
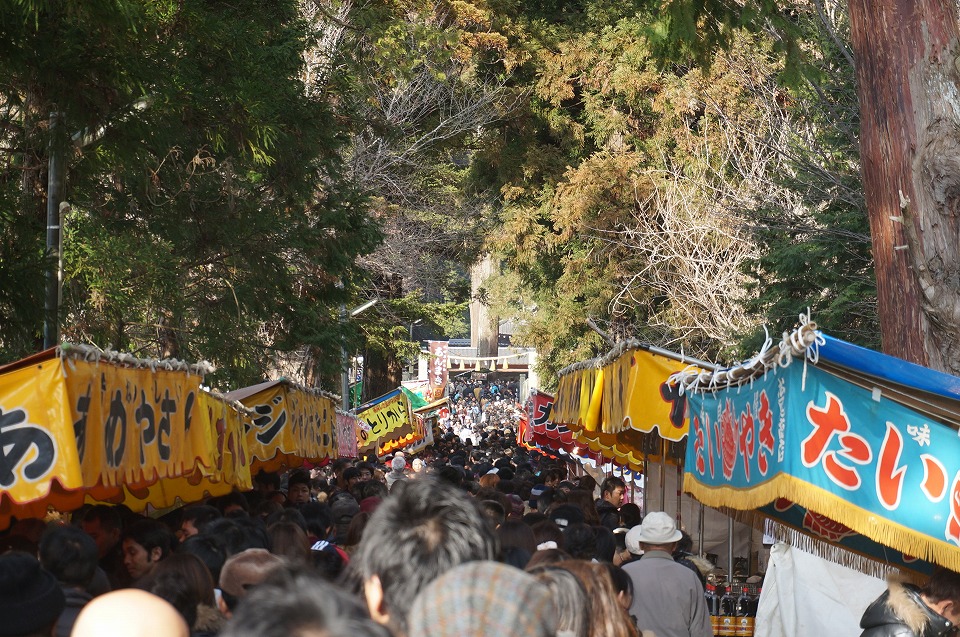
904,610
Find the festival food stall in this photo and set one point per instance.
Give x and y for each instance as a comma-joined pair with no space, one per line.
290,424
79,424
853,454
622,408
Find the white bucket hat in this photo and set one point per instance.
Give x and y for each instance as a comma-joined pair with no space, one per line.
657,528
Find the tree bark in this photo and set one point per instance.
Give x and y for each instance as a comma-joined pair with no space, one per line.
484,324
907,76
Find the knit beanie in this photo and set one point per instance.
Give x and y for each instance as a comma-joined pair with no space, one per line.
484,599
30,597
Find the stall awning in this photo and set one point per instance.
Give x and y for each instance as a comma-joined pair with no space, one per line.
848,462
78,423
290,424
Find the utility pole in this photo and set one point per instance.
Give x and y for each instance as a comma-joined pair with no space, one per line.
55,179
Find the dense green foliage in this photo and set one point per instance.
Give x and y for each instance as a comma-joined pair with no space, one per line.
680,173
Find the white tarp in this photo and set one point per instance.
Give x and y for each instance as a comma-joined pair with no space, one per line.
806,595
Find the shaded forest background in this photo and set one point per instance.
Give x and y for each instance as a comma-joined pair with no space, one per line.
239,172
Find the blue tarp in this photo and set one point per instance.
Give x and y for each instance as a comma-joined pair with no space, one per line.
888,368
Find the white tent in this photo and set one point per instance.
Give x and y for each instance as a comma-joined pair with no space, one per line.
806,595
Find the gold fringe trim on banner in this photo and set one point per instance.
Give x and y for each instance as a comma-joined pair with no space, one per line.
866,523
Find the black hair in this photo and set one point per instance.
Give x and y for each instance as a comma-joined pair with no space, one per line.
200,515
151,534
319,518
621,580
168,586
298,476
580,541
416,535
267,479
944,584
611,483
606,544
630,515
452,475
295,602
238,534
108,516
231,499
69,554
208,549
289,514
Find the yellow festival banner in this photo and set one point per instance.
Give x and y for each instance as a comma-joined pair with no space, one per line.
134,426
81,425
289,424
636,396
384,419
37,445
624,408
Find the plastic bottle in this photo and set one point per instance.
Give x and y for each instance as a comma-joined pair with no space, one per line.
728,612
713,607
746,609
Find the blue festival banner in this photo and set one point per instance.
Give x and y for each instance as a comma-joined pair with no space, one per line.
843,452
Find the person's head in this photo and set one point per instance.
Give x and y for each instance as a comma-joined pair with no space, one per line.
298,487
514,533
102,523
289,541
31,600
366,471
68,554
630,515
622,584
942,594
494,512
244,571
548,535
184,581
587,483
129,612
612,490
489,481
484,598
238,534
208,551
566,514
657,532
569,597
295,603
584,501
552,477
195,518
355,530
609,618
319,519
233,503
580,541
606,544
414,536
266,482
145,543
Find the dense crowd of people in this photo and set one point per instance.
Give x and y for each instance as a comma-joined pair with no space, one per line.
474,536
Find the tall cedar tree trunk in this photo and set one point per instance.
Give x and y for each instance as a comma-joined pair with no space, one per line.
907,75
484,324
